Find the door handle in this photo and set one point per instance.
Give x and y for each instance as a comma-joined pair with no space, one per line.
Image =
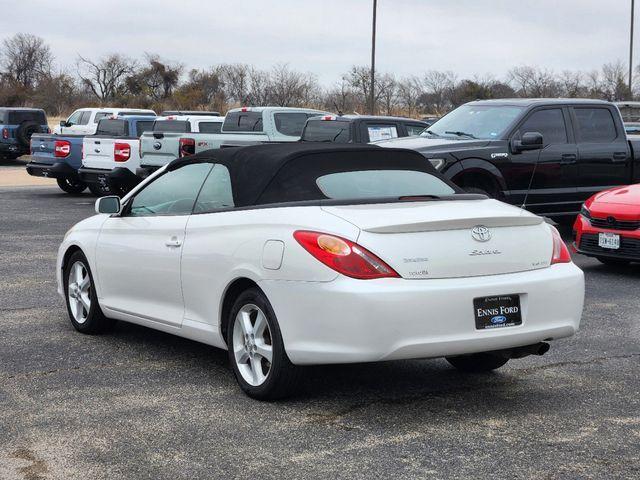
619,157
173,242
568,158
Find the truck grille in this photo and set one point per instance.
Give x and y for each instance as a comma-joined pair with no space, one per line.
614,224
629,247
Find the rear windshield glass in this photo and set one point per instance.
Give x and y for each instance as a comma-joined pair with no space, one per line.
290,123
112,127
243,122
381,183
177,126
326,131
145,126
18,117
210,127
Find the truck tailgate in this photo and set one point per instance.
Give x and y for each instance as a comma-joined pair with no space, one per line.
158,149
42,149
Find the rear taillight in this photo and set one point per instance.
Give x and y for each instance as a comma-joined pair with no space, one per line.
61,148
187,147
5,133
344,256
560,251
121,152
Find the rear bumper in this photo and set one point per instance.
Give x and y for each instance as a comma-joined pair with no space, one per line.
12,149
350,320
586,241
54,170
94,175
123,177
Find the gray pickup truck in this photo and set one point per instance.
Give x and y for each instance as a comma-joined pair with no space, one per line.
242,126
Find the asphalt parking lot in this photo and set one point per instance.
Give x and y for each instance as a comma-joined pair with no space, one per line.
137,403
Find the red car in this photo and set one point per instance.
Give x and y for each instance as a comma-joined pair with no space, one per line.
608,227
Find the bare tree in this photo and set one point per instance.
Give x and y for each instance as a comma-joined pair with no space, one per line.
157,79
438,86
614,81
25,59
409,92
387,89
106,78
235,81
359,79
534,82
572,84
341,98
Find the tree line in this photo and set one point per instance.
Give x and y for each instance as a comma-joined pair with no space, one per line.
29,76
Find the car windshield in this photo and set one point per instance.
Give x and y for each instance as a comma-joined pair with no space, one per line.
475,121
381,183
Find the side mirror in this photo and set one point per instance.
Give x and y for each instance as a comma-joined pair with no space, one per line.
110,204
529,141
63,123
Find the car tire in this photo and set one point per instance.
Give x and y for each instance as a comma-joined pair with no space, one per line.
80,296
253,335
71,185
477,362
479,191
99,190
614,262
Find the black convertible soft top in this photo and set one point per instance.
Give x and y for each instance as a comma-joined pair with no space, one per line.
287,172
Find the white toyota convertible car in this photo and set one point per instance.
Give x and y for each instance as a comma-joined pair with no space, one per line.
290,255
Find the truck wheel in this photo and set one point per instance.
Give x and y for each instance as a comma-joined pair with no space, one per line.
99,190
614,262
71,185
477,362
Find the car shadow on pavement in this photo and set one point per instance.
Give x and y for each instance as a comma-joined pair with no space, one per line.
392,382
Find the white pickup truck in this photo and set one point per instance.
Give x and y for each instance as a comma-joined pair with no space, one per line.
84,121
242,126
112,156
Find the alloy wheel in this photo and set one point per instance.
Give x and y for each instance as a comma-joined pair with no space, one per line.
79,292
252,345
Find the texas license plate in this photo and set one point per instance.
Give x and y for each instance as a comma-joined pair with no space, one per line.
497,312
609,240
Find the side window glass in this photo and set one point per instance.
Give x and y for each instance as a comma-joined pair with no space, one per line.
74,118
595,125
550,123
173,193
216,192
209,127
100,115
84,118
290,123
381,132
415,129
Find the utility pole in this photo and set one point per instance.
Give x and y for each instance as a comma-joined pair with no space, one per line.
631,50
372,105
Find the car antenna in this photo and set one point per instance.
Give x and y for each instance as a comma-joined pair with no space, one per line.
533,174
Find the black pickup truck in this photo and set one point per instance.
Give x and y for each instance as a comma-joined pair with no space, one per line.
359,128
560,151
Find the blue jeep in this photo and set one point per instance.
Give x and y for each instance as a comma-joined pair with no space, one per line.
17,126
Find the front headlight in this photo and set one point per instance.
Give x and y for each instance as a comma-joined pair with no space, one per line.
437,163
584,211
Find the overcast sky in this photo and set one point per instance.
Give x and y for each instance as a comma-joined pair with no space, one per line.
326,37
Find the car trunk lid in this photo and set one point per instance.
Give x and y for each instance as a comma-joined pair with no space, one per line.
446,239
98,153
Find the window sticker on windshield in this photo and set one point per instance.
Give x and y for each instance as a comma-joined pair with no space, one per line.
382,133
